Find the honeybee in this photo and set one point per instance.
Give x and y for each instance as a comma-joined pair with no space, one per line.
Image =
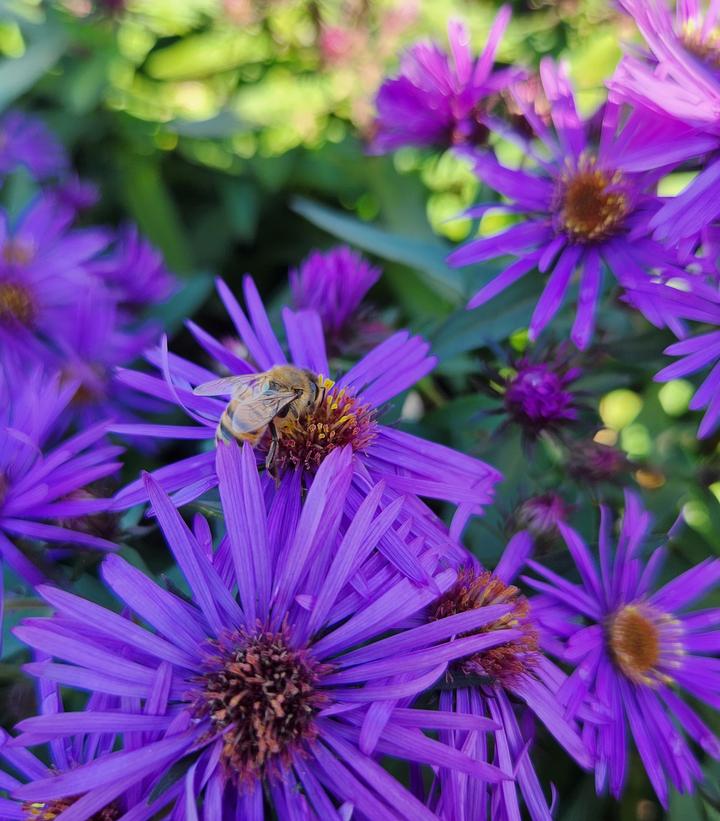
272,400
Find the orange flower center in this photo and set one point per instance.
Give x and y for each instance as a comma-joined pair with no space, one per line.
592,204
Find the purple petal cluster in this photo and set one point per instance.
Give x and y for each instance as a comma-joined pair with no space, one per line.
334,283
513,684
697,302
43,474
581,211
25,141
440,100
637,648
675,89
348,416
277,680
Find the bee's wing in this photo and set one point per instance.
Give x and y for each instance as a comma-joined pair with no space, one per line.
252,414
230,385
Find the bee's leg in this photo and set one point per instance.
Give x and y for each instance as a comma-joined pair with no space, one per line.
272,453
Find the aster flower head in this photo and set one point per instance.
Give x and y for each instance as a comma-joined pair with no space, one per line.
513,684
26,141
134,271
676,91
22,767
42,273
637,647
439,100
344,413
334,283
277,691
40,475
581,210
95,343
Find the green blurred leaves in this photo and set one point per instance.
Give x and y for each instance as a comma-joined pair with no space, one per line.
19,75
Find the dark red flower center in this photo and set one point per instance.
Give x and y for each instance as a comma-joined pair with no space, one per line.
262,695
50,810
16,303
338,420
506,662
591,203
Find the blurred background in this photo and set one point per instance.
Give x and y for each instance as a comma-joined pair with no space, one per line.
234,133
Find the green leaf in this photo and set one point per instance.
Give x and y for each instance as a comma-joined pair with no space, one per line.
493,322
224,124
150,203
425,256
19,75
173,775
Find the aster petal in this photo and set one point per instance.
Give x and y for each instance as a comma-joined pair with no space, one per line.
170,616
687,587
590,285
265,359
515,240
555,289
398,797
113,767
692,723
422,659
217,604
516,553
426,634
244,509
306,340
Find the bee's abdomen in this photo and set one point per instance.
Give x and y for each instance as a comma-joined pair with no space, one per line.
226,433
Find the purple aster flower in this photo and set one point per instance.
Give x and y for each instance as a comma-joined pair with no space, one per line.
509,684
134,270
273,685
26,141
581,211
43,270
440,100
676,89
334,283
346,413
94,344
696,301
39,474
636,648
24,768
